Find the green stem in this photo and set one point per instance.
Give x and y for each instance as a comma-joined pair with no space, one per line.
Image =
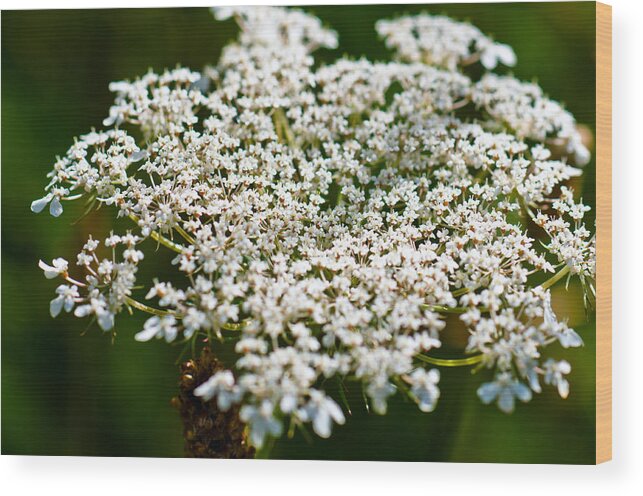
184,234
281,126
555,278
461,291
444,309
263,453
451,362
144,308
342,395
475,359
163,313
236,327
161,239
404,388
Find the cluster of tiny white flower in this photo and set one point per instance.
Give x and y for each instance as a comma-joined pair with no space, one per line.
438,40
329,219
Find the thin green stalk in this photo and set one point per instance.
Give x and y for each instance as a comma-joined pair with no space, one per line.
342,395
263,453
555,278
444,309
282,127
162,313
161,239
461,291
236,326
475,359
451,362
144,308
404,388
184,234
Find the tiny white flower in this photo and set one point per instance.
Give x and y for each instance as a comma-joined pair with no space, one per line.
504,388
554,375
261,421
498,52
221,385
55,207
105,320
568,338
379,390
322,411
38,206
138,156
59,267
424,388
288,403
159,327
67,296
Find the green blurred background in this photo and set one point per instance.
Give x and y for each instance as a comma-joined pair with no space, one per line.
67,394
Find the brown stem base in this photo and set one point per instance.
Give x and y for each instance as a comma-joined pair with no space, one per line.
208,431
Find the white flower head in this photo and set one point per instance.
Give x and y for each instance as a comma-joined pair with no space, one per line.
442,41
328,218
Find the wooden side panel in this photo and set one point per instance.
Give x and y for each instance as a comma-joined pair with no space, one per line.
604,232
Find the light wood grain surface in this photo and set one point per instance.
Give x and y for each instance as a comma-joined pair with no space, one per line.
604,232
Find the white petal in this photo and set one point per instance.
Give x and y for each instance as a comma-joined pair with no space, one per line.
322,424
506,400
533,381
50,272
505,54
38,206
427,406
257,435
379,405
549,315
434,375
69,304
288,403
570,339
170,334
146,334
55,208
222,13
108,121
56,306
335,411
582,155
488,392
139,155
274,427
488,59
106,321
207,390
563,388
522,392
225,400
83,311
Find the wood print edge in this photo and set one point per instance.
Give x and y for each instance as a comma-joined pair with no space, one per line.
603,232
